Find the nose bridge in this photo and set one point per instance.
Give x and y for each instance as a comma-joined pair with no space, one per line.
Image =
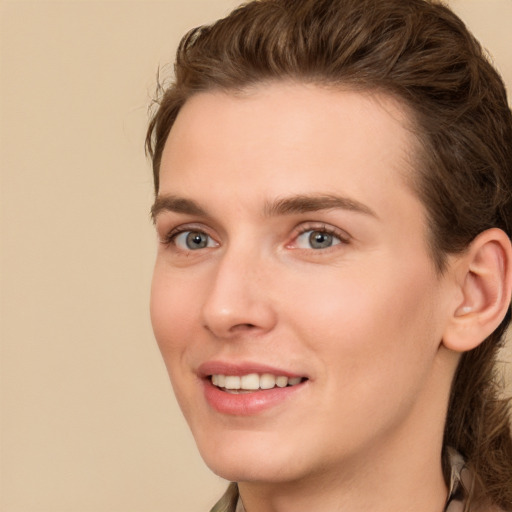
237,299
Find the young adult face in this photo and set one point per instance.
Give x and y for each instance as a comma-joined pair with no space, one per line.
292,246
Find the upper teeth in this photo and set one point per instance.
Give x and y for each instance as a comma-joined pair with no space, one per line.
254,381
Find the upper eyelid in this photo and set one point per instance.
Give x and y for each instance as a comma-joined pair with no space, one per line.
167,235
168,227
168,221
344,238
304,227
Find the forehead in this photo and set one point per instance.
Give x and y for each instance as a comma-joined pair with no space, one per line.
288,138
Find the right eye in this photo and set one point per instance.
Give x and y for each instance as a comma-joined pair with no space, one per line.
193,240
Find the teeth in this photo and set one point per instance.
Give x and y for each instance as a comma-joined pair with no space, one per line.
232,382
253,381
267,381
281,382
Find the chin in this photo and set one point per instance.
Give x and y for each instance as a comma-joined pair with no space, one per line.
262,472
240,460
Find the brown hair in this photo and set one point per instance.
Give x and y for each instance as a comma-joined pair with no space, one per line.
421,53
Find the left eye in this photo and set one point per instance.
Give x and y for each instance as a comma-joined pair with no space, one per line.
193,240
316,239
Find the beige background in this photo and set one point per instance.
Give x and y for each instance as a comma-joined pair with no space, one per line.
88,423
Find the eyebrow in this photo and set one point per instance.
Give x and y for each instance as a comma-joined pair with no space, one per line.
177,205
313,203
284,206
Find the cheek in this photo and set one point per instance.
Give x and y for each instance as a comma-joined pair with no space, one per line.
171,314
173,324
377,311
372,336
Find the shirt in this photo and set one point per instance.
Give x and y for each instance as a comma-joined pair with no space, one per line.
460,479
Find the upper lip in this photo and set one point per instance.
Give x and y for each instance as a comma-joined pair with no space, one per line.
243,368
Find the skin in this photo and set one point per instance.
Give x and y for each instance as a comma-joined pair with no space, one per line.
363,319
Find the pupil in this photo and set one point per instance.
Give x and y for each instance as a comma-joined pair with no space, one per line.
319,240
196,240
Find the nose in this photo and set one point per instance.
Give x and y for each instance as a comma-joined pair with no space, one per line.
237,302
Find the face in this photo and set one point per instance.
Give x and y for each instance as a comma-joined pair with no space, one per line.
293,263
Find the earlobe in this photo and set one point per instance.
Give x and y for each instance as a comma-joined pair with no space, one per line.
485,284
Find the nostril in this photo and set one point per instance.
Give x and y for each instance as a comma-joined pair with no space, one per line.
235,329
243,327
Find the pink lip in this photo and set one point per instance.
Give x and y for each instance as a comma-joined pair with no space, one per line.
249,403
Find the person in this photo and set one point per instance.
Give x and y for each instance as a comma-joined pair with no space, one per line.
333,280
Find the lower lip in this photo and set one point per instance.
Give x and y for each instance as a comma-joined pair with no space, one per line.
247,404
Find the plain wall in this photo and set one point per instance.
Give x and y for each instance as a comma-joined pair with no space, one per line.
88,421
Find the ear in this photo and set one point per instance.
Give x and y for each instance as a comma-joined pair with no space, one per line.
484,276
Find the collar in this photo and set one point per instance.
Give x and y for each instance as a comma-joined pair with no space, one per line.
460,482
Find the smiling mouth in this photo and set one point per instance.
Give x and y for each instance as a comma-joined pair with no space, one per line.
253,382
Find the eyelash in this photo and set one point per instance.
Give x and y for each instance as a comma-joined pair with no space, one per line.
170,238
321,228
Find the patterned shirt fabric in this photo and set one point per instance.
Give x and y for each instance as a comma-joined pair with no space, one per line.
460,480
